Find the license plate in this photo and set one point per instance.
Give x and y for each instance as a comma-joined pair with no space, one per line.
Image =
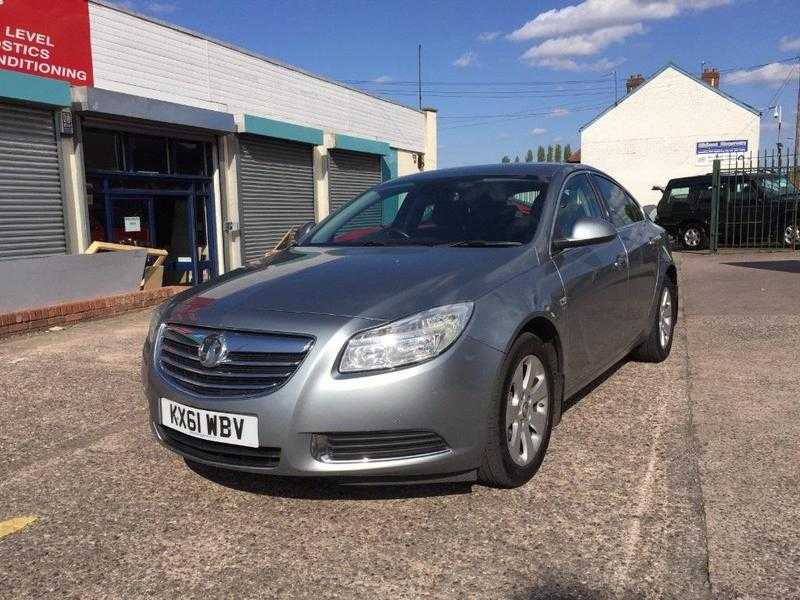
227,428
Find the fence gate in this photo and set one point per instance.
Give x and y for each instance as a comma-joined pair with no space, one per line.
754,202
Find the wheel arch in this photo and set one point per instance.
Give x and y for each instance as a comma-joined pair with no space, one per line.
545,330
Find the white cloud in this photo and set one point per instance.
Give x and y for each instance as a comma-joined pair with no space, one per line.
383,79
557,113
584,44
468,59
488,36
503,135
591,26
152,6
789,44
569,64
161,8
538,131
592,15
773,74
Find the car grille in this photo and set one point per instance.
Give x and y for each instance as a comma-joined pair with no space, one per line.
382,445
255,363
223,453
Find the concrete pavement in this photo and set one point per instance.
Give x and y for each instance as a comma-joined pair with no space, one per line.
676,480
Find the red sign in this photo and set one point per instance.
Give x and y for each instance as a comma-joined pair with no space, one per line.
48,38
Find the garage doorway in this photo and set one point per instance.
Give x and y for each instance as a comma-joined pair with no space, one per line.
178,218
154,191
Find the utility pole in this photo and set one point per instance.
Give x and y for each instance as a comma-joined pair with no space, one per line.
419,74
615,87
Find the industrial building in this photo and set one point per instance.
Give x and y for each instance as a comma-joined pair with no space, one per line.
672,124
118,127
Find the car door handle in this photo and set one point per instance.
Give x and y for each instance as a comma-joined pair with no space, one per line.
620,263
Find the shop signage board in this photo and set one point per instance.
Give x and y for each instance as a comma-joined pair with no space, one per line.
707,152
47,38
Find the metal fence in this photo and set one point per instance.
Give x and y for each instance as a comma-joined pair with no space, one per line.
754,202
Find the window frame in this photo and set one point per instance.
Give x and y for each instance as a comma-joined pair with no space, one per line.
557,200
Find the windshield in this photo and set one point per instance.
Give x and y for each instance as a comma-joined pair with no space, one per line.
777,185
495,211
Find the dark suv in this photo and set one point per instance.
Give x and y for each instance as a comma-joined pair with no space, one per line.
755,209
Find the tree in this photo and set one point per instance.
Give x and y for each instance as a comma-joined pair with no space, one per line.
550,153
529,156
557,153
540,154
505,159
567,152
516,159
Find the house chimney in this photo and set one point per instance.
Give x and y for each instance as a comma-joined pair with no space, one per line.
710,76
633,82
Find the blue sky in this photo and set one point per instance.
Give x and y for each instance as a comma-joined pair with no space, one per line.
510,75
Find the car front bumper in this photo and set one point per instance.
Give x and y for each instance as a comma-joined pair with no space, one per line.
447,396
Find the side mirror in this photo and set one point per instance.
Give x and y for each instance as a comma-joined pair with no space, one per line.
586,232
303,230
657,188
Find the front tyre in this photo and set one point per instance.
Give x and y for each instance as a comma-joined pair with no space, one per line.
658,344
693,237
521,415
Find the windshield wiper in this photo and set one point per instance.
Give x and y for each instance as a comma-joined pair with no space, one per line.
482,244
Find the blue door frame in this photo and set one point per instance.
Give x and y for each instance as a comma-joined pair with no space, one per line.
190,188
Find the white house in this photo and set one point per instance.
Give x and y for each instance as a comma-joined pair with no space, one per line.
671,125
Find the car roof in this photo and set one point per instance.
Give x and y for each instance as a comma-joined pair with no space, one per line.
543,170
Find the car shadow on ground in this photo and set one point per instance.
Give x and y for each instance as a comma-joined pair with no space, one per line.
322,489
593,385
565,586
785,266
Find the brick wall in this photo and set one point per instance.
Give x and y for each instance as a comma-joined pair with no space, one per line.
71,312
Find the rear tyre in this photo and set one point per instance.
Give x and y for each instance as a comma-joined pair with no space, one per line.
658,344
791,235
521,415
693,237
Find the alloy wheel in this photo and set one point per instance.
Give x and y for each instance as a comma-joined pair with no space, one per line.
527,410
665,318
790,235
691,237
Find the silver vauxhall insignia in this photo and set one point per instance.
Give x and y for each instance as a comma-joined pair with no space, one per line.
430,330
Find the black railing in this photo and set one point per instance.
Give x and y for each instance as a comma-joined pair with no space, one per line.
754,202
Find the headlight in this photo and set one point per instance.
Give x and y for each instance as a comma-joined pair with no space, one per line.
155,323
409,340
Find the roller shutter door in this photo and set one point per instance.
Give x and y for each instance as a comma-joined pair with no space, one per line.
350,174
276,191
31,206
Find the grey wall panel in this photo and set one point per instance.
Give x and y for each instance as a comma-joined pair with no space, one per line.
38,282
276,191
350,174
31,204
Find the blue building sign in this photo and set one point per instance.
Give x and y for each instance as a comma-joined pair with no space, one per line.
722,147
